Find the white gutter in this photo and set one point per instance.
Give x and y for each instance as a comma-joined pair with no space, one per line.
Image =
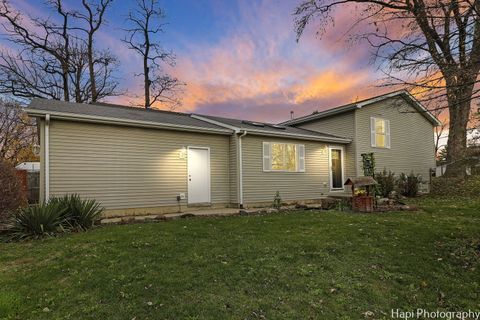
118,121
299,136
240,168
47,157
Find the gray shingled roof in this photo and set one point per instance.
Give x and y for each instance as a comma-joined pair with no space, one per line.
160,117
120,112
270,127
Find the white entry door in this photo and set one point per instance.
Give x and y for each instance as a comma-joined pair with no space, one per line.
198,175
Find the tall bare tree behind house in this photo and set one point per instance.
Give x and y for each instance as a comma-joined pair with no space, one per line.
430,46
94,18
52,58
145,23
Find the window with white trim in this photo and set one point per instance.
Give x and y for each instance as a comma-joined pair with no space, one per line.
380,132
287,157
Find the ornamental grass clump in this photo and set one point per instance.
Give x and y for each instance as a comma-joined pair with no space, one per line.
36,221
64,214
79,213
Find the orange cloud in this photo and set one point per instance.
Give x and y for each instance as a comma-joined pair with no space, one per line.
327,84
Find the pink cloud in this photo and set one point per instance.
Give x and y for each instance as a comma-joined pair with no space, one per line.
257,70
260,66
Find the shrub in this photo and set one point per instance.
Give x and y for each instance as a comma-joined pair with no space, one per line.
12,195
408,185
456,187
277,200
386,182
78,213
36,221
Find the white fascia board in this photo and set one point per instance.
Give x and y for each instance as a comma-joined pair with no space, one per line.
422,108
299,136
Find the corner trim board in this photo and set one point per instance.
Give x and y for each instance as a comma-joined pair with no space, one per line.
47,157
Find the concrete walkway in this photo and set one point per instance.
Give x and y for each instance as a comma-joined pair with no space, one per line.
222,212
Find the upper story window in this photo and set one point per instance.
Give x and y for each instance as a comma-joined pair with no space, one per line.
380,132
287,157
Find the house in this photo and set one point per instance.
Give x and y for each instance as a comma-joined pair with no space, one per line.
137,161
29,166
29,175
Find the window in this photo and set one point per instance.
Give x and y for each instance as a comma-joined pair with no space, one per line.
283,157
380,132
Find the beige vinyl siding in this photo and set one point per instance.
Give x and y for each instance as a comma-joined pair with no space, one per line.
233,169
411,138
127,167
342,125
260,186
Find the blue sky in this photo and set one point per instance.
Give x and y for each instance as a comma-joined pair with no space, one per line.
240,58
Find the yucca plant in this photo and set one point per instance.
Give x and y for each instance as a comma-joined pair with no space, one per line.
79,213
85,213
36,221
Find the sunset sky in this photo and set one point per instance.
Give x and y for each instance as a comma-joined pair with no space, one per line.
240,58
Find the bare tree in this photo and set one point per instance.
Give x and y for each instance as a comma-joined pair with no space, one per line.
52,57
17,133
432,46
146,23
30,75
54,42
94,17
104,63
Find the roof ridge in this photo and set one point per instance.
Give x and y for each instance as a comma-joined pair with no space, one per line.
115,105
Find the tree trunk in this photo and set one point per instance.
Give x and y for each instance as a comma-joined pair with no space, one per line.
78,79
146,70
459,101
91,70
66,89
147,84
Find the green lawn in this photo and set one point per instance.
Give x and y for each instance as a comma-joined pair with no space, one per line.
327,265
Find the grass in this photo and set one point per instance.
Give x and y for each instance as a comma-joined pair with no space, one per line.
328,265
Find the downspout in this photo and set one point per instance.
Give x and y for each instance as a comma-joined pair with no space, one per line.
240,168
47,157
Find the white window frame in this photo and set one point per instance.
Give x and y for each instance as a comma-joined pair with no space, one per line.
342,158
373,133
267,158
